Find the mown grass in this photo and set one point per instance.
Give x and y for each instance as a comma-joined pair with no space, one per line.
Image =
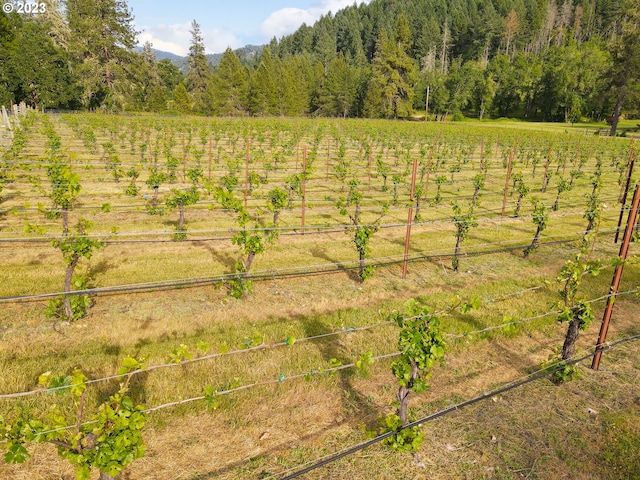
266,429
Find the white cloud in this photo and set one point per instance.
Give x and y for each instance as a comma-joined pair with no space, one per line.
169,38
287,20
217,41
176,38
284,21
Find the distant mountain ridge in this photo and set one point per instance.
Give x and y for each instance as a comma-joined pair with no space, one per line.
246,54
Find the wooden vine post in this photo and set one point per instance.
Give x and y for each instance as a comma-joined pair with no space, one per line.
409,219
617,276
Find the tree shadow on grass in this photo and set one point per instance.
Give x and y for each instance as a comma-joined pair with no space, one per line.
264,473
104,390
137,388
467,319
514,357
356,406
517,245
219,256
97,269
320,252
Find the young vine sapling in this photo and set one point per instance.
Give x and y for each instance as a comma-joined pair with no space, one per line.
109,441
463,223
540,219
362,233
73,249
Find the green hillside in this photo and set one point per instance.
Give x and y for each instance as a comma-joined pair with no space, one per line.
542,61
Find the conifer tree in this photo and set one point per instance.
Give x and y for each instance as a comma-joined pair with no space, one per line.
229,87
7,46
151,92
170,75
54,22
264,86
181,99
625,51
338,91
101,43
42,77
325,45
294,89
197,79
391,92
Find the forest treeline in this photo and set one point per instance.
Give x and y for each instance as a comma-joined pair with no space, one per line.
535,59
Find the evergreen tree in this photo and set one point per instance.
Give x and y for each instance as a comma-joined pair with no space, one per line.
149,60
54,23
101,44
43,76
390,93
338,92
347,34
294,86
264,86
151,92
197,79
8,46
229,87
325,43
181,99
625,50
170,75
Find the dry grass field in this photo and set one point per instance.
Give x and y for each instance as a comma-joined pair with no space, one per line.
309,310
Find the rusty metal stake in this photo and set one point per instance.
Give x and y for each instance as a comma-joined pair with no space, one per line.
506,183
184,160
369,169
304,183
626,191
617,276
246,174
210,157
409,220
328,156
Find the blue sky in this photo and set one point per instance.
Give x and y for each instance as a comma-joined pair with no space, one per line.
229,23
